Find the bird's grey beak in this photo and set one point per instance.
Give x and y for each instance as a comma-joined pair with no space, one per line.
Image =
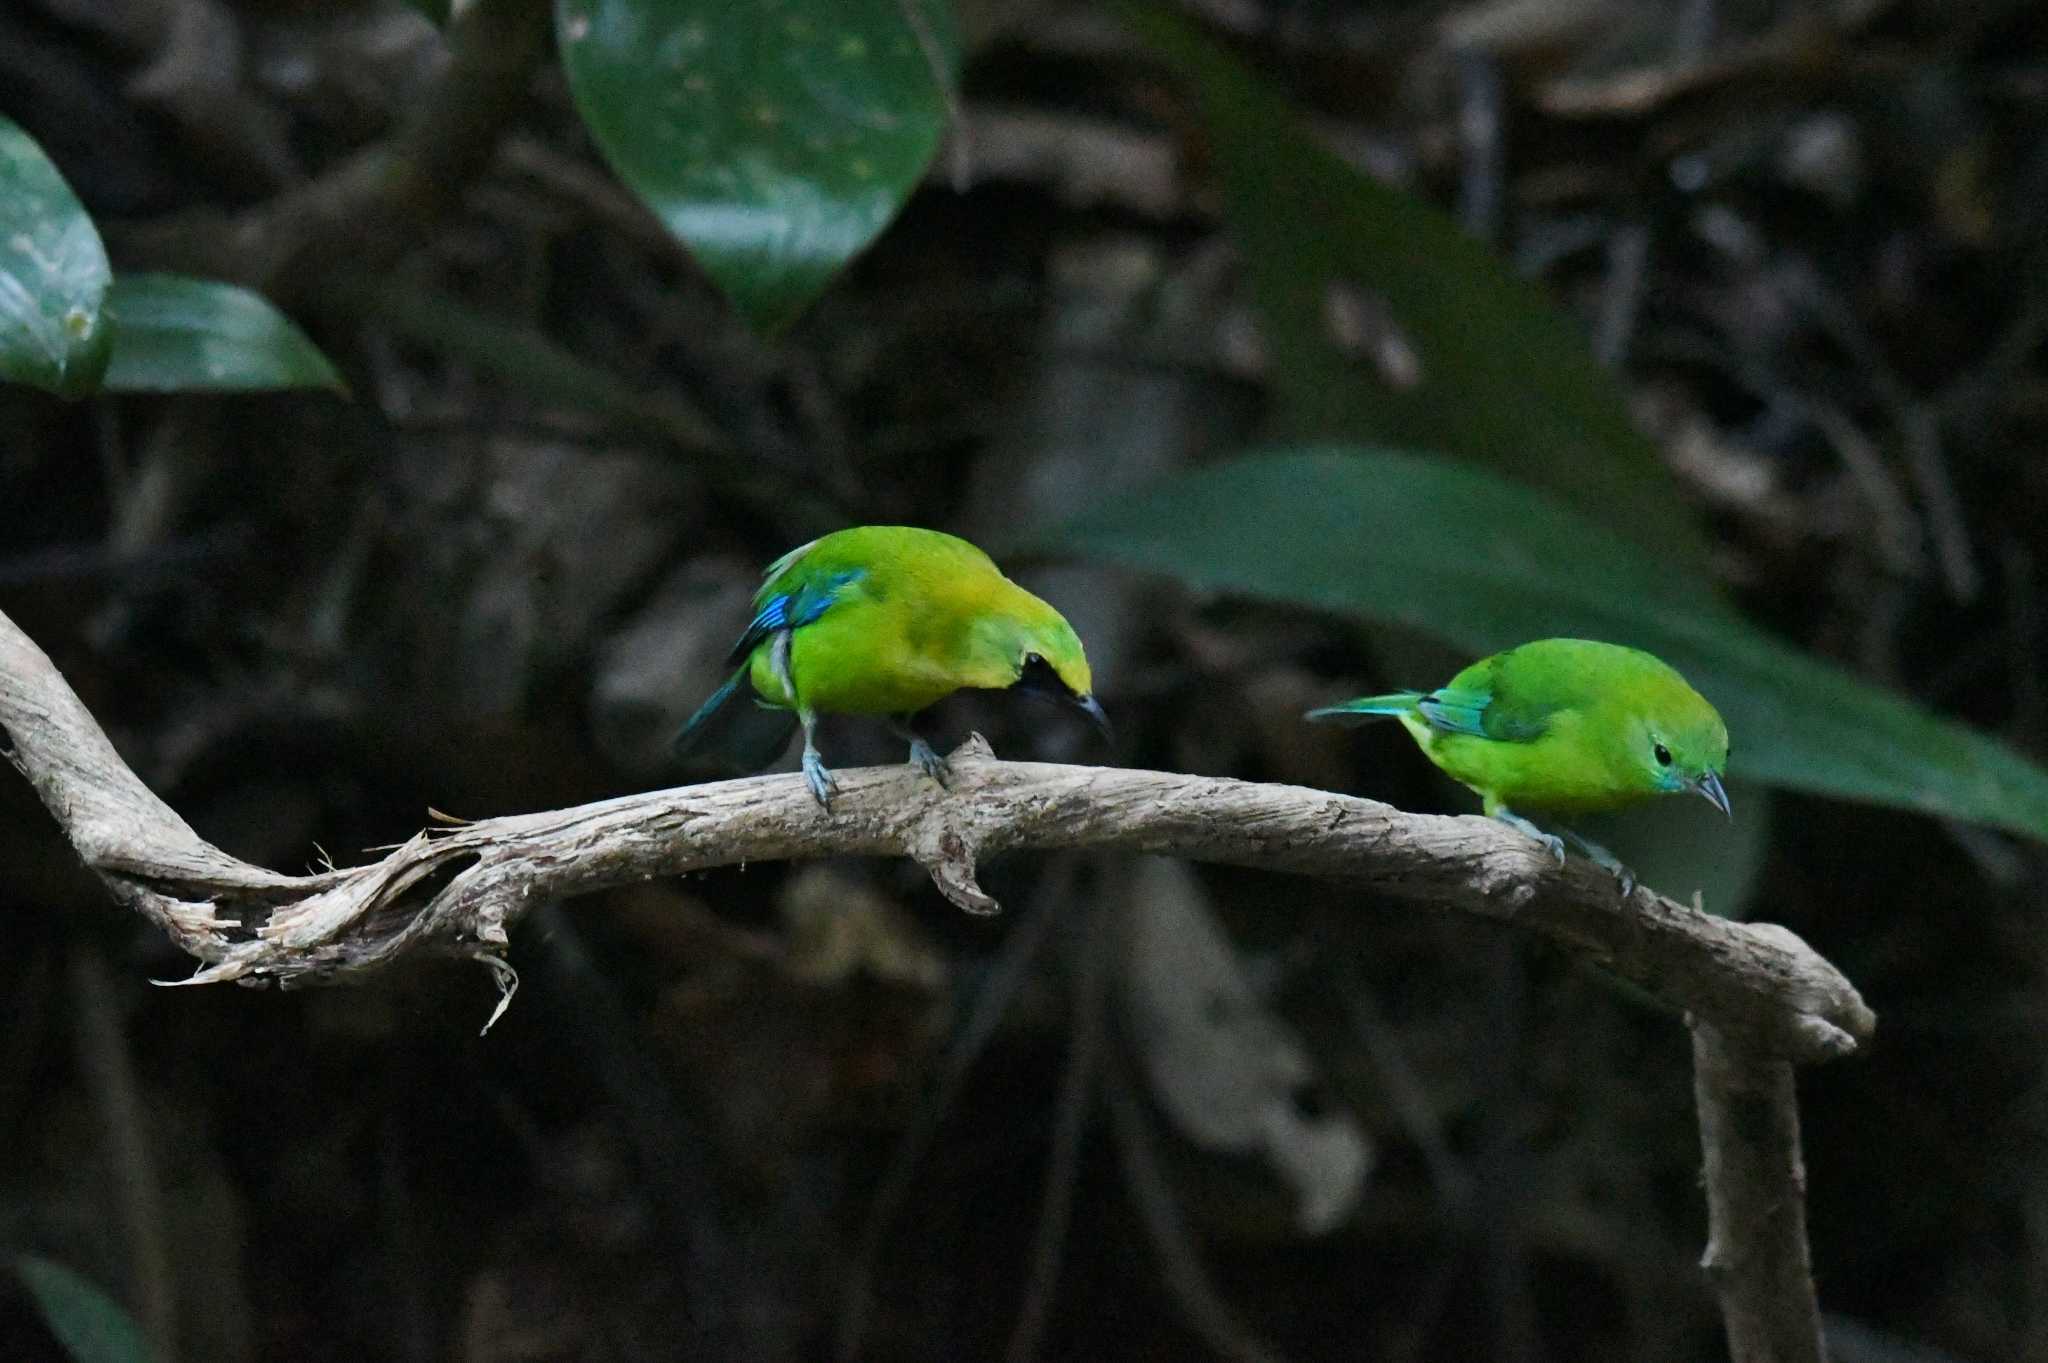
1092,708
1709,785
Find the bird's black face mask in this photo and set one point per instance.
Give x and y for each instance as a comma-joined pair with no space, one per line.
1039,679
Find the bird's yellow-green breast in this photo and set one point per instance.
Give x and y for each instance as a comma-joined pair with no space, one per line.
913,616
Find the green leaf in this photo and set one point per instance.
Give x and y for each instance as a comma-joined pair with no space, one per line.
1505,379
777,138
53,275
1447,549
92,1327
173,334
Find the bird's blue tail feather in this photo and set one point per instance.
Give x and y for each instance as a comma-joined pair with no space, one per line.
1365,709
730,733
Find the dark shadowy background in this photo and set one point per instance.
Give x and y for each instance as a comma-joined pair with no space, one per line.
1796,227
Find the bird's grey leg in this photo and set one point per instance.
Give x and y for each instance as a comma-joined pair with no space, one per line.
1554,843
1605,860
816,774
823,787
922,753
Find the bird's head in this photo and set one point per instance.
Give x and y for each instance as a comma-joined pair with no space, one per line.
1680,745
1033,649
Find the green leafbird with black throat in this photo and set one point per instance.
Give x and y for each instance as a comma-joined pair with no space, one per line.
881,620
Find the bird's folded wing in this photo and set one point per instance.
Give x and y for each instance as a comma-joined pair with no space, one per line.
1484,715
794,607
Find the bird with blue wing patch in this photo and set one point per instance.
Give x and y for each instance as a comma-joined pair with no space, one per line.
880,620
1563,725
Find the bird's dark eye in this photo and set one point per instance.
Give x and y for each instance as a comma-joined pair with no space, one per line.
1033,660
1663,755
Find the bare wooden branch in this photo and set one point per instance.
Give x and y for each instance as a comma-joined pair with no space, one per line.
1756,1253
457,890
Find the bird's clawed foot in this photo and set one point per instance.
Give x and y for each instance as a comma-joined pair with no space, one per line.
922,755
1597,854
819,778
1551,842
1606,861
927,760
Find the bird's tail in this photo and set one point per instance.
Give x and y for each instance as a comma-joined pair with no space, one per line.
730,733
1367,708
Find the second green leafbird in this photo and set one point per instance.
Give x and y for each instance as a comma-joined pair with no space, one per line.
1567,726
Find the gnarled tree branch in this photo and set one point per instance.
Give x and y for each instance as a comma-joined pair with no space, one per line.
457,890
1757,1257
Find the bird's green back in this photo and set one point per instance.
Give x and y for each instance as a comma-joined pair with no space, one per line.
905,552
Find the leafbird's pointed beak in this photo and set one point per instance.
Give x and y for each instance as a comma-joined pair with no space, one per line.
1709,785
1092,708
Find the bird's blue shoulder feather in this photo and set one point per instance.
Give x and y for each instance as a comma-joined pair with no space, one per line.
793,608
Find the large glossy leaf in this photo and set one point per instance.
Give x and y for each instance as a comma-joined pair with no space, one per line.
775,137
173,334
1504,378
53,275
1484,563
92,1327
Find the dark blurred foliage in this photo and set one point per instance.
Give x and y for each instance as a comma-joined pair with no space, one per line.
1800,228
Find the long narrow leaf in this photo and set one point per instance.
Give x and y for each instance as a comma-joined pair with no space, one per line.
92,1326
1503,377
